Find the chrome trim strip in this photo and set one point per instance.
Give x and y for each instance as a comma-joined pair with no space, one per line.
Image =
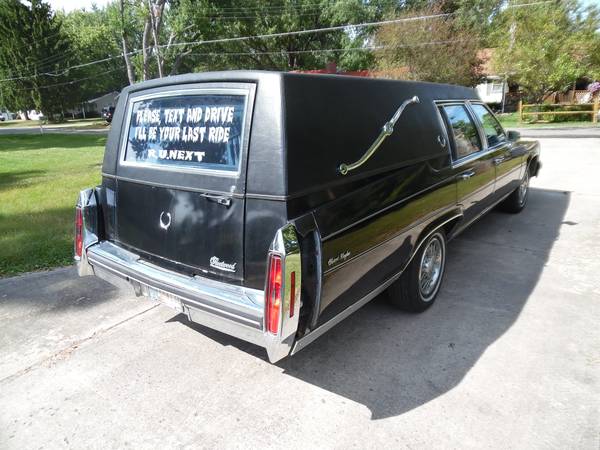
386,130
172,186
317,332
472,157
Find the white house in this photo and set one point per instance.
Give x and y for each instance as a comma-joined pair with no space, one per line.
95,105
104,101
491,89
493,86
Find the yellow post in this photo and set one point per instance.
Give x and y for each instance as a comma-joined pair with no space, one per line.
596,109
520,110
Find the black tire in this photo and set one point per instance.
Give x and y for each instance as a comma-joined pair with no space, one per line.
407,292
516,201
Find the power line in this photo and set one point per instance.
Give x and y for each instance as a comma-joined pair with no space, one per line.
257,7
260,36
282,52
314,30
325,50
519,5
240,38
73,81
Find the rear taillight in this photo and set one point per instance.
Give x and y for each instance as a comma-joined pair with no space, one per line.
78,232
273,294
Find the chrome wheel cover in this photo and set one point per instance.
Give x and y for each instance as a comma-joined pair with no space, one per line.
523,189
431,267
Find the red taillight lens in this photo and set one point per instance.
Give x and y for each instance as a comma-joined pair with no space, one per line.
273,294
78,232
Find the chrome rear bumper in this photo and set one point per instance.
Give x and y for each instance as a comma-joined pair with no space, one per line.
241,306
231,309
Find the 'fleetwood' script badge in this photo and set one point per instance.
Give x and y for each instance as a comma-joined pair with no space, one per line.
221,265
339,258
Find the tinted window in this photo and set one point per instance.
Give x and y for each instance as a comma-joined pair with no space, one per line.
196,131
493,130
466,137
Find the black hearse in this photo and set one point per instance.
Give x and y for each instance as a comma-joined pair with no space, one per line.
270,206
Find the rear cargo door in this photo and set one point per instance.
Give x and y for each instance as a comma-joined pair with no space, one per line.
181,177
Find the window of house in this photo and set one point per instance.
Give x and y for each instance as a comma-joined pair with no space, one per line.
497,87
466,137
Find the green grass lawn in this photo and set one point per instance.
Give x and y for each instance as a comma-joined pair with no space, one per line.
511,120
40,177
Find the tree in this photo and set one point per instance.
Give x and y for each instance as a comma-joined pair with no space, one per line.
547,47
92,40
439,49
159,37
212,19
34,50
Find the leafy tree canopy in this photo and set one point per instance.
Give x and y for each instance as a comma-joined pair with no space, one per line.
547,47
33,50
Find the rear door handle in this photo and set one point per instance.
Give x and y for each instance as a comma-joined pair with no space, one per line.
499,160
466,175
220,199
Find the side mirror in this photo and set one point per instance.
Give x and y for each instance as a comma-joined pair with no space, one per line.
513,135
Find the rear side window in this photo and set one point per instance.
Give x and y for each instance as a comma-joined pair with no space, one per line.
200,131
466,136
493,131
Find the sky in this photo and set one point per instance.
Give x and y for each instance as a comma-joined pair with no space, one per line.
69,5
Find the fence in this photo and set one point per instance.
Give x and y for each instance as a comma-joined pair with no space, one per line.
595,107
578,96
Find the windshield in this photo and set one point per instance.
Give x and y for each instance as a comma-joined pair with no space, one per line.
200,131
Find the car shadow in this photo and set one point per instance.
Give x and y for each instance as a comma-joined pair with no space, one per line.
393,362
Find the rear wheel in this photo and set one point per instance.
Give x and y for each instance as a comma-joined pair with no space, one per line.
516,201
418,286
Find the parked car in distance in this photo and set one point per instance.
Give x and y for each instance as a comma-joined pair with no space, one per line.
6,115
270,206
35,115
107,113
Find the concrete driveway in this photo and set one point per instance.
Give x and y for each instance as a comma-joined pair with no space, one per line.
509,357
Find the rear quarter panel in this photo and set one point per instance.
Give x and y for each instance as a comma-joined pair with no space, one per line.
369,235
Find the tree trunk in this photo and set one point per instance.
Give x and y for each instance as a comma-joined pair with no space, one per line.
146,50
178,60
156,11
130,72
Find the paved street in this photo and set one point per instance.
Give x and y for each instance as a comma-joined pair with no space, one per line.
51,129
508,357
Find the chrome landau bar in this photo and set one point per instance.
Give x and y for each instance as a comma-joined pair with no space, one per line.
386,130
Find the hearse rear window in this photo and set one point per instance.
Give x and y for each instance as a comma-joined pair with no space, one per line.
200,131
